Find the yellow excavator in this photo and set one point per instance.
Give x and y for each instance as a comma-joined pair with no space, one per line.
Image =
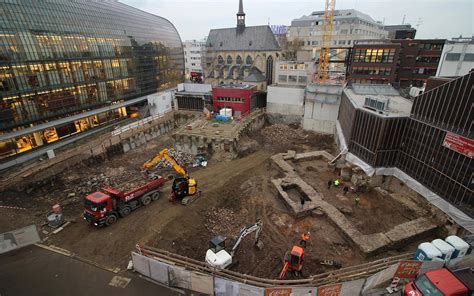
184,187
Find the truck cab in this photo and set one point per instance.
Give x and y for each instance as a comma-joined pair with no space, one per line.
96,207
439,282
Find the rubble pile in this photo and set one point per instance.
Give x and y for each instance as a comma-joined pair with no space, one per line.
184,159
282,134
222,221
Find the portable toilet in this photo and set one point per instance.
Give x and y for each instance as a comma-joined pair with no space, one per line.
427,252
459,245
446,249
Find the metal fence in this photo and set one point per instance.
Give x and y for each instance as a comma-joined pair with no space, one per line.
174,270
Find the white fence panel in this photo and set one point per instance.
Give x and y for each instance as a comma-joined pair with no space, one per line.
159,272
202,283
179,277
141,264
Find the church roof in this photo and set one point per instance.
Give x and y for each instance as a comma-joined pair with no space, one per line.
255,76
256,38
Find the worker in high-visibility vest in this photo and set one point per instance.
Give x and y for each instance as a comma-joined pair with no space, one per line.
337,182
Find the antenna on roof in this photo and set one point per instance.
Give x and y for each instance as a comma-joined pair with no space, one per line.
404,16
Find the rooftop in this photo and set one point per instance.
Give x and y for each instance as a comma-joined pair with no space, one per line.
340,14
195,88
256,38
397,105
234,86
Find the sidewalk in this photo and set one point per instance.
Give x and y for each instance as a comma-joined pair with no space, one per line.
35,271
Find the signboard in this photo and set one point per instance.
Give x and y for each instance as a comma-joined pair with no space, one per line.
408,269
277,291
18,238
332,290
459,144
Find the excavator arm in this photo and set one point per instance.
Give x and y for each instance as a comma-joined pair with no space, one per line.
164,154
257,228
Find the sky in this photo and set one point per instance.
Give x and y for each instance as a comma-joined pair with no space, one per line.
193,19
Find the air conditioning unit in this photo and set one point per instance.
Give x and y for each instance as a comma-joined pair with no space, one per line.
377,104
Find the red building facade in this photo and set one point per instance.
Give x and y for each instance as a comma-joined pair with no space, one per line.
239,97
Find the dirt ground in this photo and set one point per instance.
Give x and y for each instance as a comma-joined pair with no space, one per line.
234,194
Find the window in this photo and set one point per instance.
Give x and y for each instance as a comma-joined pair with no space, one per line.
424,284
248,60
343,31
302,79
453,56
238,60
220,60
282,78
314,43
469,57
292,78
229,60
230,100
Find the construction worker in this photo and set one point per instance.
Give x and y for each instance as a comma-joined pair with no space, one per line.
304,239
337,182
357,200
346,189
302,201
329,184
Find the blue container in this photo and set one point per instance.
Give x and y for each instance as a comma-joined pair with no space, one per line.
427,252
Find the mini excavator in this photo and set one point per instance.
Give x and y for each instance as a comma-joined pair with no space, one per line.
293,260
184,187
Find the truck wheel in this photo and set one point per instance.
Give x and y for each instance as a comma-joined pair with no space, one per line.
146,200
125,211
110,220
155,195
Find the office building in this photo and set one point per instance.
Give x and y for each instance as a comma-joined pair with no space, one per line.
457,58
67,67
305,34
400,31
193,55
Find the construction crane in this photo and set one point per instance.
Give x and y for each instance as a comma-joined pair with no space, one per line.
184,187
324,56
293,260
218,257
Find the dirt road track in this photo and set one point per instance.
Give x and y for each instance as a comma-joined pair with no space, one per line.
111,246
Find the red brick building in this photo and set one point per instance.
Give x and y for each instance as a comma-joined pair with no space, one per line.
374,62
418,60
241,98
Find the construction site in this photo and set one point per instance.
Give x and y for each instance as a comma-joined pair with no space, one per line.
272,170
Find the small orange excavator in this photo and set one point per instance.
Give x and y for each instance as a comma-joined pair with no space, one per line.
293,260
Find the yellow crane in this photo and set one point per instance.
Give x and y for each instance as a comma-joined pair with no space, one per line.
324,56
184,187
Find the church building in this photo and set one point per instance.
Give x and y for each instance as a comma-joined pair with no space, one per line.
241,55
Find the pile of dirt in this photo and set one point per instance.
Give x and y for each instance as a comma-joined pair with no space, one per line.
281,134
222,221
247,146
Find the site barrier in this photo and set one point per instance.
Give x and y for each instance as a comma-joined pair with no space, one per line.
177,271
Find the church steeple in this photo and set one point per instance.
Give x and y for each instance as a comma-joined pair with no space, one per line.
241,17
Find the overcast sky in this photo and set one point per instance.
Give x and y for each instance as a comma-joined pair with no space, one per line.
194,18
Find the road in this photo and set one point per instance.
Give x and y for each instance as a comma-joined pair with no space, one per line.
36,271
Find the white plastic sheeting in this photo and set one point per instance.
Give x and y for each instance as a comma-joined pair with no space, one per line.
457,215
348,288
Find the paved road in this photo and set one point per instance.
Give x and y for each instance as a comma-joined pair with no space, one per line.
35,271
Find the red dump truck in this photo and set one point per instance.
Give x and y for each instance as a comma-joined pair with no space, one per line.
106,206
442,282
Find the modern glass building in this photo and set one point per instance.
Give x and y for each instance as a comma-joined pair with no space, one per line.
61,58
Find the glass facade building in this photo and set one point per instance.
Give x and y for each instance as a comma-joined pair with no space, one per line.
59,58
